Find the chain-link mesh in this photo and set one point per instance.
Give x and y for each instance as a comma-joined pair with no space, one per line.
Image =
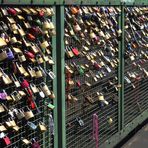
136,62
92,74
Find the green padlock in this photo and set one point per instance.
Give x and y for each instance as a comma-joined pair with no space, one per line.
81,71
38,22
51,106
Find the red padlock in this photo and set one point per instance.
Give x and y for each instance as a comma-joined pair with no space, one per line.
75,51
78,83
12,11
6,140
35,145
24,83
30,37
29,54
138,78
36,31
41,13
31,104
97,66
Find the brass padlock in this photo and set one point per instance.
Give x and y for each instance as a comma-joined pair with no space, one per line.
21,57
6,79
42,127
3,55
38,72
34,88
28,114
15,81
2,128
69,52
2,109
31,72
39,59
45,89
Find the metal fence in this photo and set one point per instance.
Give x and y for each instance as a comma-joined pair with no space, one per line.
15,30
100,56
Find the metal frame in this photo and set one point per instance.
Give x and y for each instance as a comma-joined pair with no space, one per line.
55,112
60,76
76,2
58,54
121,61
123,131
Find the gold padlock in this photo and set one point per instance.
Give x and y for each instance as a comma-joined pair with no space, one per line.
2,128
38,72
2,109
92,35
42,127
31,72
26,141
6,79
3,55
28,114
21,57
39,59
44,45
45,89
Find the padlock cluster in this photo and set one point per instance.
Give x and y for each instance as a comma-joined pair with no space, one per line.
92,37
136,61
25,62
136,55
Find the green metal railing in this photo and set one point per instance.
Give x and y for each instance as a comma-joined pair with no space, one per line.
128,112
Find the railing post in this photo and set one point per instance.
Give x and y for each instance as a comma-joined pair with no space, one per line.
60,76
121,63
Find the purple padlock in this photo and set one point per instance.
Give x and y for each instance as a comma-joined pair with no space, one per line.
35,144
3,95
10,54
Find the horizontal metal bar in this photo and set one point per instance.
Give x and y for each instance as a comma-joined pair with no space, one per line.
77,2
30,2
92,2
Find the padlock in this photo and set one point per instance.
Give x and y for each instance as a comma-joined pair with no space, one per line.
45,89
89,99
50,74
39,59
38,72
75,51
2,128
6,79
69,52
25,141
31,72
34,88
3,54
35,144
79,122
28,114
2,109
21,57
50,106
31,125
20,114
6,141
42,127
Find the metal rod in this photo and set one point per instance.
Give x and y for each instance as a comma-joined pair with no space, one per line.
60,76
122,66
